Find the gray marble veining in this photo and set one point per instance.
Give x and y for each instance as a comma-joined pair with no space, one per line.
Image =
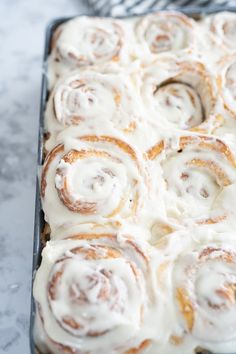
22,28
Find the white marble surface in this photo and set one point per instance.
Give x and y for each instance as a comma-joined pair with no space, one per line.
22,28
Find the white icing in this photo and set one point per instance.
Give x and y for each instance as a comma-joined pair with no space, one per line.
227,80
164,31
196,185
157,79
88,41
178,94
196,262
94,99
106,295
223,28
112,182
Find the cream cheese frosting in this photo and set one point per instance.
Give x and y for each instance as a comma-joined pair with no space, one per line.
198,278
138,187
96,291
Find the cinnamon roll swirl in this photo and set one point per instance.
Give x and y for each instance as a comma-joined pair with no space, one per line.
165,32
95,177
91,294
223,28
180,94
227,82
87,41
198,278
92,99
196,170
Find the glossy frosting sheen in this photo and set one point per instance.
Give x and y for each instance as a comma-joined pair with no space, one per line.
138,187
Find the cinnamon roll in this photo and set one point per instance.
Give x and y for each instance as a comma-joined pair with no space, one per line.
180,94
223,28
92,99
165,32
87,41
198,279
227,82
91,294
196,170
93,177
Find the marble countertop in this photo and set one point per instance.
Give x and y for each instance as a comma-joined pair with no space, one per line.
22,30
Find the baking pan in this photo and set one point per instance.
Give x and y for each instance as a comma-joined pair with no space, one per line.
195,12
